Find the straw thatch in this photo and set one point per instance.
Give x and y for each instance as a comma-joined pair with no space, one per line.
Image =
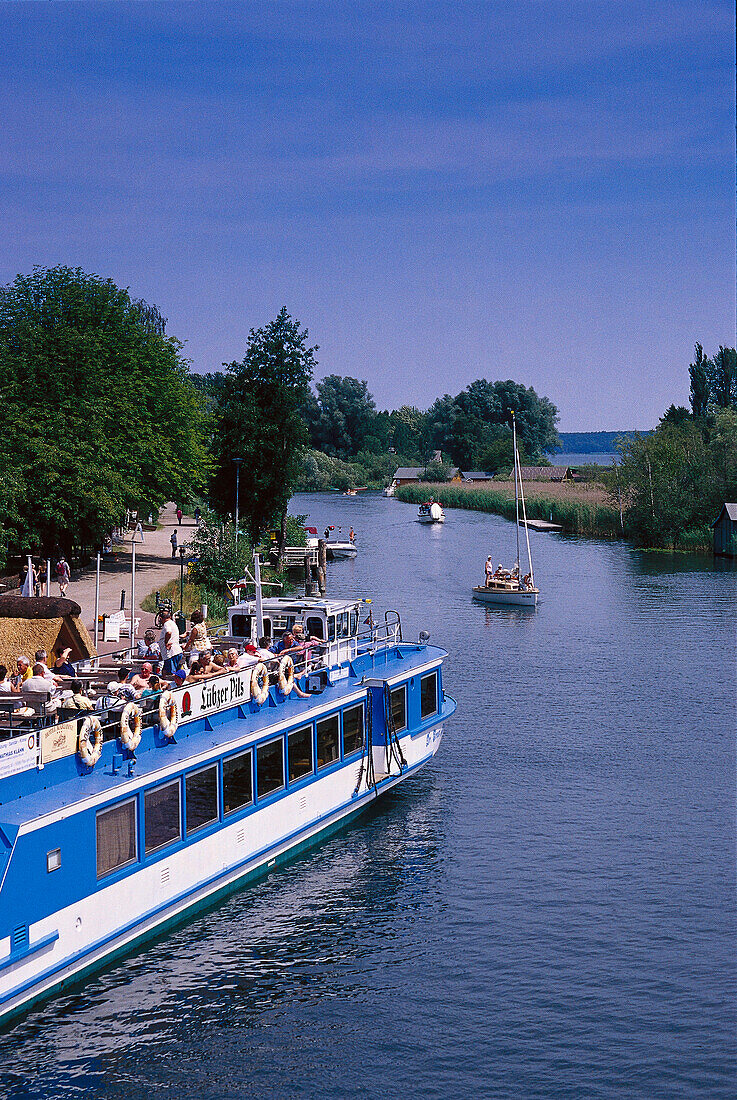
28,623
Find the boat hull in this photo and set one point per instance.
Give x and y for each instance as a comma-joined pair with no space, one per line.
510,598
121,915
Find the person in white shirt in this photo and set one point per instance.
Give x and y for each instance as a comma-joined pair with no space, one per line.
41,659
38,684
249,658
170,646
6,687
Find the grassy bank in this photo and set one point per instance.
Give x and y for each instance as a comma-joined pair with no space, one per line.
580,509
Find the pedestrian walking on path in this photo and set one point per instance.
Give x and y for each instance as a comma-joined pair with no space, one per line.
173,541
138,531
63,576
179,516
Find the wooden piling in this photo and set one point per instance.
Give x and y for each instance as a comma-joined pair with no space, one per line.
322,562
308,574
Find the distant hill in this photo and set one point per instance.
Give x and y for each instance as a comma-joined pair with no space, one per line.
592,442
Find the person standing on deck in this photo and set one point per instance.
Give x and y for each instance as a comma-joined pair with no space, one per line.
173,541
489,570
171,648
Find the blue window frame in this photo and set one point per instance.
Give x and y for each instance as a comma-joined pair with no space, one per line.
269,767
201,798
428,695
162,816
300,756
328,741
117,837
237,782
353,730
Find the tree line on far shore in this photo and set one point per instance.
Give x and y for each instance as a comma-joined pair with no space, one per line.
101,415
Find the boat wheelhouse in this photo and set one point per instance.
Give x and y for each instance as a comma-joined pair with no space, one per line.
212,785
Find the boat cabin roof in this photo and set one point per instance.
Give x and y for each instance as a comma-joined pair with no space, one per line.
304,605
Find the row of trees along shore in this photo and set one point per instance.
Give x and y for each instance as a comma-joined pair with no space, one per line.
101,414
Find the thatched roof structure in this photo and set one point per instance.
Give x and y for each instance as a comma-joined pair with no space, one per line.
28,623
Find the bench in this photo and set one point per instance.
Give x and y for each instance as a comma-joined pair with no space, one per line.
115,625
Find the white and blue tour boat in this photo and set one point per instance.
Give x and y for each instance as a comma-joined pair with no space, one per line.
115,825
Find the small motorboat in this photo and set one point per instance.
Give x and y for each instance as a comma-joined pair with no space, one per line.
430,512
506,591
336,549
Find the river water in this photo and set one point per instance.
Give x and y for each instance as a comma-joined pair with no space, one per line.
548,910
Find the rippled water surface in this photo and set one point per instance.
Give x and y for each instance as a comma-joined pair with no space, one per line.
547,910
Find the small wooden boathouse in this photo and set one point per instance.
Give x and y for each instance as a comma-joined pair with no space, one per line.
725,531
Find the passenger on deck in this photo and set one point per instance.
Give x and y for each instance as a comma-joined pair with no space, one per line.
488,571
155,685
148,647
41,659
264,651
139,680
231,662
78,699
197,640
120,690
285,645
526,581
249,658
180,677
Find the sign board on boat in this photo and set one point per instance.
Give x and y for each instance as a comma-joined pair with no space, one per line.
18,754
215,694
58,741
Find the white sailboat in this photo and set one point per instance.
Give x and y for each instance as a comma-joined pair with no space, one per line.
504,587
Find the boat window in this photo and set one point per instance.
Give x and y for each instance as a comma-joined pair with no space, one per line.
352,729
269,767
354,622
237,782
163,816
399,707
314,627
241,626
331,628
267,628
327,741
116,837
343,624
428,695
299,753
201,789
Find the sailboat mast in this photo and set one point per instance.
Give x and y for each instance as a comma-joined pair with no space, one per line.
527,529
516,488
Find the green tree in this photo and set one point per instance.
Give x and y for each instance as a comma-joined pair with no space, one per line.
722,374
699,383
407,432
98,414
346,416
261,423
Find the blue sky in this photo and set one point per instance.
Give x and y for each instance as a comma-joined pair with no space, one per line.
438,191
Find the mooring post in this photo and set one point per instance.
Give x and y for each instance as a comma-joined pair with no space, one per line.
322,561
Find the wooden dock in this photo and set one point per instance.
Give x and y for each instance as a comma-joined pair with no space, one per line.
540,525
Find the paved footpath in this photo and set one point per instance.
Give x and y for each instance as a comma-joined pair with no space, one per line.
154,567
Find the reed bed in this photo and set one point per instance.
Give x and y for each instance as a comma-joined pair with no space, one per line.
580,509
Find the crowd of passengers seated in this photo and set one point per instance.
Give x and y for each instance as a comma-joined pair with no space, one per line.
61,687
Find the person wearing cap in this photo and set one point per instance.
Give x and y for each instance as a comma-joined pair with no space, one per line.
179,677
249,656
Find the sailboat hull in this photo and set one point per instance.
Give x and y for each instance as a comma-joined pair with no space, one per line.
506,597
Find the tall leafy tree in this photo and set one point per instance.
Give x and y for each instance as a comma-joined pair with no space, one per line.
722,375
261,422
97,412
345,416
699,383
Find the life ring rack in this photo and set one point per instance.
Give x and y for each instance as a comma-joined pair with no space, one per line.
90,741
168,714
131,726
260,683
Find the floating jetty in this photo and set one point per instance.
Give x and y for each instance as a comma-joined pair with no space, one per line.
540,525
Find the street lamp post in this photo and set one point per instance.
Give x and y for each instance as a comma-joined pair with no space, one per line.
181,580
237,494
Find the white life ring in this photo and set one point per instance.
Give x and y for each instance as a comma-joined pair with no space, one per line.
131,726
286,674
168,714
90,741
260,683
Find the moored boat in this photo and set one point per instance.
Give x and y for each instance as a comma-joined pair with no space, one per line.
116,824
